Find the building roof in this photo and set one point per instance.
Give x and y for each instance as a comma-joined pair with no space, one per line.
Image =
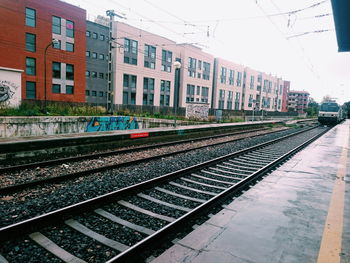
296,91
342,23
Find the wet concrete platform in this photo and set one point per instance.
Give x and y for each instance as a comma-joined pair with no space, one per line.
285,217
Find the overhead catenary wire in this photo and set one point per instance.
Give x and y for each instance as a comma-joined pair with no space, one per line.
309,64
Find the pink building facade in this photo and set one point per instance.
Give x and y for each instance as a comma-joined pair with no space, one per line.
262,91
298,101
286,88
143,71
228,83
196,78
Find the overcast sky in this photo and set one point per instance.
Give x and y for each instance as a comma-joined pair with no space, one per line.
251,33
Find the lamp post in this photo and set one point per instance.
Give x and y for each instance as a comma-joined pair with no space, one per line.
253,109
110,70
53,42
177,66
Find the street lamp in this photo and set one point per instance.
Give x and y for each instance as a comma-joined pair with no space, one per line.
177,66
253,103
52,43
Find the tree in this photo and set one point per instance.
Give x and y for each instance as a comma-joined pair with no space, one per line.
313,107
327,98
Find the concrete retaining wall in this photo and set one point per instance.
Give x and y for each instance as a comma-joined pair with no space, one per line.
39,126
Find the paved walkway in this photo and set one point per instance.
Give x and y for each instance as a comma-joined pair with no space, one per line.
285,217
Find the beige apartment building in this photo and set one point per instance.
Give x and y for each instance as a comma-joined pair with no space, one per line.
228,83
143,67
262,91
196,78
271,92
144,73
251,89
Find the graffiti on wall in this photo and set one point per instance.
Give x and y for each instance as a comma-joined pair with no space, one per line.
7,91
112,123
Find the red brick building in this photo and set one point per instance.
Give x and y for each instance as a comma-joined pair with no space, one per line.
27,27
286,88
298,101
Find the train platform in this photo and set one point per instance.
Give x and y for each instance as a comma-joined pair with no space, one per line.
298,213
60,140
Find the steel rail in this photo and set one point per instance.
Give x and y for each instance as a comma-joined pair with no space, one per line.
134,253
30,225
113,152
56,179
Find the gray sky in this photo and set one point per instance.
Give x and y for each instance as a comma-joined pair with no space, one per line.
243,31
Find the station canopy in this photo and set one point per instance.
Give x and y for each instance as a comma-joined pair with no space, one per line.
341,14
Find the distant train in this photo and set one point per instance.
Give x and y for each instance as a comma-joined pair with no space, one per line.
330,113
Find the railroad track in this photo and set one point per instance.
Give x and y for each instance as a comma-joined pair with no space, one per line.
68,176
38,151
16,167
130,221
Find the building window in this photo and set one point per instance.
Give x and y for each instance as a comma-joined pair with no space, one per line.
237,99
129,87
94,93
94,55
30,90
94,74
88,34
30,66
134,45
150,56
221,99
206,70
125,97
231,79
56,88
100,93
205,91
30,17
56,25
190,93
87,53
69,47
87,92
126,45
150,51
252,78
69,89
130,51
165,86
148,90
87,73
56,70
57,44
94,35
101,75
164,93
167,58
30,42
102,37
223,75
101,56
69,71
70,28
229,100
239,79
192,64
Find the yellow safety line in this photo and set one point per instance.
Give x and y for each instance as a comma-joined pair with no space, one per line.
332,234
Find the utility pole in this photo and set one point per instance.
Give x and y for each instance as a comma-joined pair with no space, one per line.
110,87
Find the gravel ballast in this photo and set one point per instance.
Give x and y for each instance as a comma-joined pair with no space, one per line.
41,200
84,188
